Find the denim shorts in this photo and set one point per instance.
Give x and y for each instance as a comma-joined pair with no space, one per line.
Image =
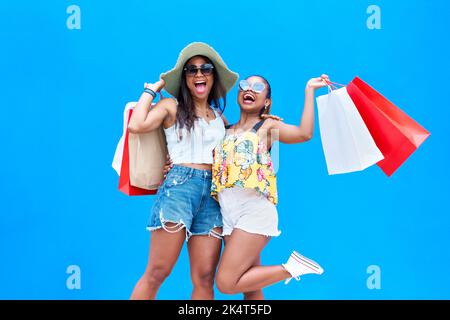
184,198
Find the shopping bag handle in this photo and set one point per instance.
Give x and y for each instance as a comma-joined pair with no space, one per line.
333,85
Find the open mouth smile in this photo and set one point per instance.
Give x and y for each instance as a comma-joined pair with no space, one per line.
200,86
249,98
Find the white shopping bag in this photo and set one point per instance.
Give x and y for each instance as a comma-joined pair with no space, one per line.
346,141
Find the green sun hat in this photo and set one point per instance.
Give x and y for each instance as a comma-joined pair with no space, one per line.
173,77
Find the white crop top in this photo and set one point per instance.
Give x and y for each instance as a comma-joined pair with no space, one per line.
197,145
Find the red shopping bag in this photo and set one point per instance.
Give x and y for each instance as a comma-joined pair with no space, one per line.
395,133
124,180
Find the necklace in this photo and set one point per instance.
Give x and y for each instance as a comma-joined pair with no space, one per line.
207,115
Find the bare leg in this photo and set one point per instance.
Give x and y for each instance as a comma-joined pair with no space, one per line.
236,271
165,248
251,295
257,294
204,254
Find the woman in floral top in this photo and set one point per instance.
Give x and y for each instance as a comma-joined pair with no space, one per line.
244,183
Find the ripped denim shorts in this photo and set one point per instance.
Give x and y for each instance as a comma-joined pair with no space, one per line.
184,199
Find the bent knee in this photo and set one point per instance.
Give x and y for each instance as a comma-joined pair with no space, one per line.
226,284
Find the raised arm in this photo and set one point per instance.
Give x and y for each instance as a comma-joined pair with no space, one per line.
146,118
294,134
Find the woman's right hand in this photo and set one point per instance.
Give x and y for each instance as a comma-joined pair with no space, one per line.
148,116
157,86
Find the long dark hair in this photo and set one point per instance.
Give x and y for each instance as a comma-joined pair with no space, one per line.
268,96
186,107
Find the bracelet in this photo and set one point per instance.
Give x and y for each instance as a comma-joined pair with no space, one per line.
151,92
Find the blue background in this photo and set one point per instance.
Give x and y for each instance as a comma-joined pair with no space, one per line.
62,98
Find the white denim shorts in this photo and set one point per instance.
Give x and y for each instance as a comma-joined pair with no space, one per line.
248,210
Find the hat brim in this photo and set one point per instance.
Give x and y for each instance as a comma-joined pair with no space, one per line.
173,77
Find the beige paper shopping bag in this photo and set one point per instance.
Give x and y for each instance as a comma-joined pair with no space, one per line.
148,155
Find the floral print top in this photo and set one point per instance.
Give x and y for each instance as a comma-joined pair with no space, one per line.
243,160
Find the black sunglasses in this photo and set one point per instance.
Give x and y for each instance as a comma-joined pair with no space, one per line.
206,69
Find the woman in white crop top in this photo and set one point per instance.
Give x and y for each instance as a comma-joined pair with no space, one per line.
183,208
194,148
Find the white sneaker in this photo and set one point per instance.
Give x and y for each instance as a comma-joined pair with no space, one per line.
299,265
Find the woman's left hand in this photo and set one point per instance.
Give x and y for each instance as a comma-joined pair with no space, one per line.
316,83
168,165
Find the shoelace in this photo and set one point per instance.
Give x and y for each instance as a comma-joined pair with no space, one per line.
289,279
